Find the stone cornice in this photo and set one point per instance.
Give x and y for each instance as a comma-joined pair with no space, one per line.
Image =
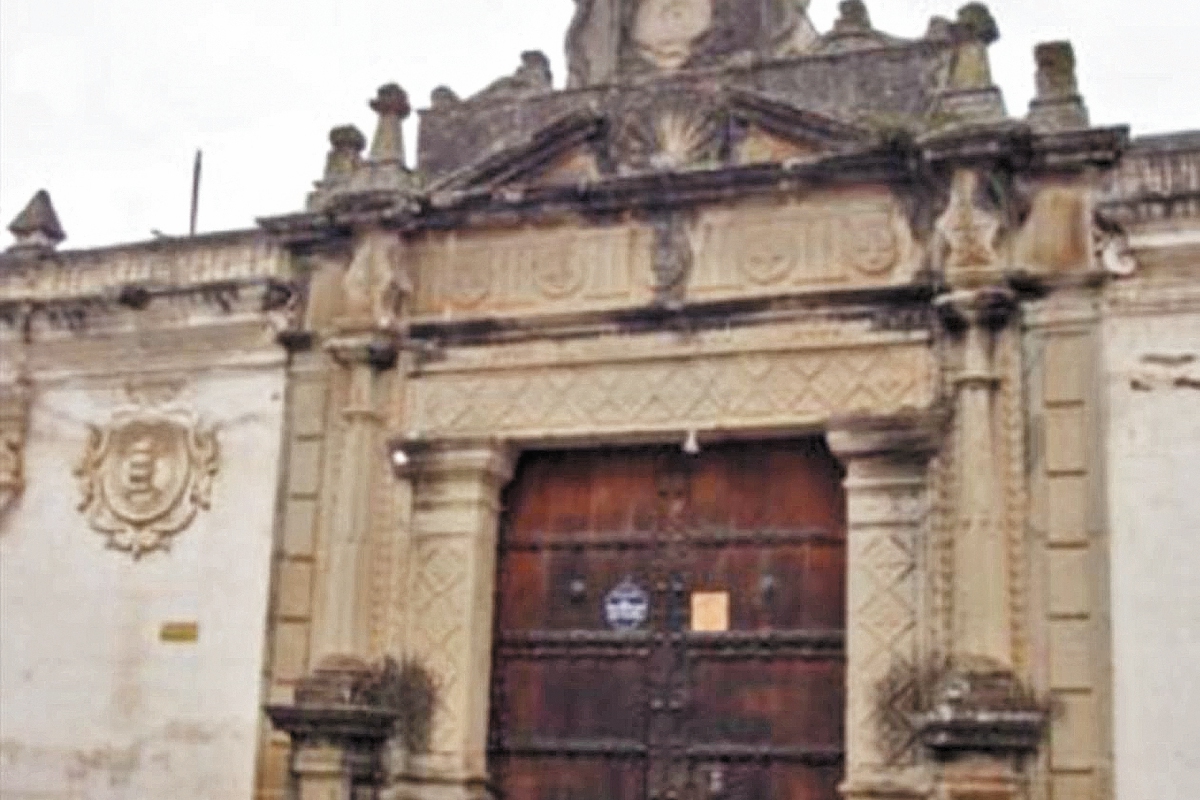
131,274
898,160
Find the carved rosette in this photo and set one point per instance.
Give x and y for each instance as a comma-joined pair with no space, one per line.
145,475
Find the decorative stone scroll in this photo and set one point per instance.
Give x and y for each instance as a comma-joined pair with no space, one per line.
145,475
813,244
550,269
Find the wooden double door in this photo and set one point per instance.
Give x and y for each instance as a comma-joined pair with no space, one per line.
671,627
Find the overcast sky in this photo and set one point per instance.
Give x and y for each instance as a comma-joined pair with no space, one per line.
104,103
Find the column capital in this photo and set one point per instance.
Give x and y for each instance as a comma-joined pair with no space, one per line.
377,348
984,307
911,437
492,457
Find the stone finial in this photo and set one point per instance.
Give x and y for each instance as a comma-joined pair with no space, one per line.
853,16
970,96
1058,105
977,22
391,103
347,143
1056,70
443,97
976,29
37,226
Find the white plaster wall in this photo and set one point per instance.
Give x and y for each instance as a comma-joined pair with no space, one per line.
1153,444
92,704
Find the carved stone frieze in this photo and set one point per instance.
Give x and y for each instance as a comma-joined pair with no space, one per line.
538,268
853,241
721,388
145,474
841,241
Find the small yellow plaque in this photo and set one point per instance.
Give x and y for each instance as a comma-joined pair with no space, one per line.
710,612
179,632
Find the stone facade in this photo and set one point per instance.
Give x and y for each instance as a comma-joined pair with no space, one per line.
134,551
251,483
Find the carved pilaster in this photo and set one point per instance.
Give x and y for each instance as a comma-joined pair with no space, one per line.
980,718
341,626
886,491
452,575
365,345
981,627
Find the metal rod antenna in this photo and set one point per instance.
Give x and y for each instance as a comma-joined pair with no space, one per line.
195,191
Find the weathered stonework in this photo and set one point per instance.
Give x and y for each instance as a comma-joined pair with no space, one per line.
732,227
158,365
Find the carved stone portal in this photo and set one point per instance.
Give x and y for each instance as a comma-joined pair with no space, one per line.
145,475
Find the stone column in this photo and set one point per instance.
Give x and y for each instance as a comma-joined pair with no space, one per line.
456,505
341,626
980,722
982,620
886,492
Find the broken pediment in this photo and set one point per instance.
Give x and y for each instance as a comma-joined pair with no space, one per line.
669,131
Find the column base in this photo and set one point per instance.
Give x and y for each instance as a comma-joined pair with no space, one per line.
981,712
337,725
973,106
432,789
980,779
913,783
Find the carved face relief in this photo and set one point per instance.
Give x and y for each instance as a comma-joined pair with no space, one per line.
873,245
665,30
144,477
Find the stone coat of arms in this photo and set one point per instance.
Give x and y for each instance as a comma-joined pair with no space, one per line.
144,477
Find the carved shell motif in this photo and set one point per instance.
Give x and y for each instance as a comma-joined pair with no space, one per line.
670,140
144,476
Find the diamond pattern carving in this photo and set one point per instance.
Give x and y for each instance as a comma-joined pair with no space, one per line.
440,610
759,388
884,614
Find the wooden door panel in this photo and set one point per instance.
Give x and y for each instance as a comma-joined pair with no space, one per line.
587,778
780,580
582,709
750,779
582,494
788,485
564,588
545,703
789,702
